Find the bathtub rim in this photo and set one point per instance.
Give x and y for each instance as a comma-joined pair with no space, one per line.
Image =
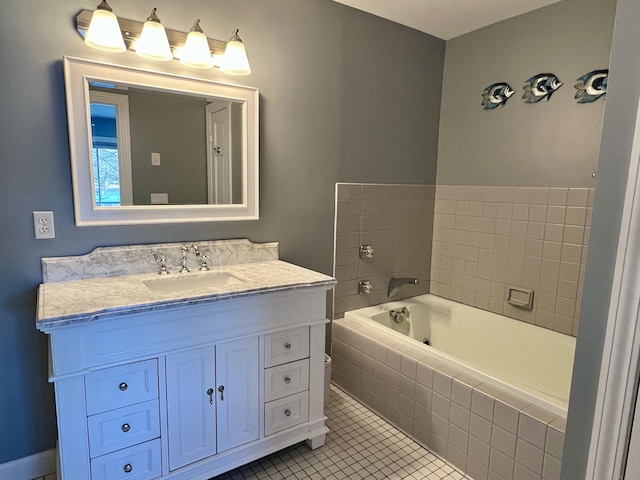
540,399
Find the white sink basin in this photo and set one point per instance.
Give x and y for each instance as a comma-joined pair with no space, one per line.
192,282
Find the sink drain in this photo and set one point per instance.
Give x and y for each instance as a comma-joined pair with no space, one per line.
426,341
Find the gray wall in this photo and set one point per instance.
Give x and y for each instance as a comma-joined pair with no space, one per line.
337,104
617,139
552,144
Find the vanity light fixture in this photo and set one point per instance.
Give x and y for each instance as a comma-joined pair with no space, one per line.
235,61
195,52
152,40
104,32
153,43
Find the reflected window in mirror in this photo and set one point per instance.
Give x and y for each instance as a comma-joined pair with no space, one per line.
111,149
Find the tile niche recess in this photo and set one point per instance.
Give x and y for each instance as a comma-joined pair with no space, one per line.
468,244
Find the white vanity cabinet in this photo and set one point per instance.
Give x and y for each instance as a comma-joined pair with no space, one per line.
212,400
189,390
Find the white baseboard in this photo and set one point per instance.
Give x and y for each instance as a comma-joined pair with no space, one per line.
31,467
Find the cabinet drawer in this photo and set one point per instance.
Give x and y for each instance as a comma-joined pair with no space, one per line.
121,386
287,346
123,427
140,462
286,379
286,412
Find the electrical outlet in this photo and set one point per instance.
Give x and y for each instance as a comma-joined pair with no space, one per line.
43,225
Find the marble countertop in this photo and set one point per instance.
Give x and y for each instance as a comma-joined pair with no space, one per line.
71,302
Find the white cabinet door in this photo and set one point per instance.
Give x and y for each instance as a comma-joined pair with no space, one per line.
191,410
237,392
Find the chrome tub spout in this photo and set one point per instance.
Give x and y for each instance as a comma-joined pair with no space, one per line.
396,283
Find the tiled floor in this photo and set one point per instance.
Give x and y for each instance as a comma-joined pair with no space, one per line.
360,445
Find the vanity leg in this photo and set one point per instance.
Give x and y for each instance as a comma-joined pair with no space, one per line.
316,442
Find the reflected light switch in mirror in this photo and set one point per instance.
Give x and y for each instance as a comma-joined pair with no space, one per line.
159,199
155,160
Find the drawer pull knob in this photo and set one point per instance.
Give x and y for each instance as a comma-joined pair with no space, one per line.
126,427
123,387
221,390
287,380
287,413
128,468
287,346
210,393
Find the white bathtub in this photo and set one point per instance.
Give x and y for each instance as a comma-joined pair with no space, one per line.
532,362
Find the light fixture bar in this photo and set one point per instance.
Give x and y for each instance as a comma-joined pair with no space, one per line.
132,29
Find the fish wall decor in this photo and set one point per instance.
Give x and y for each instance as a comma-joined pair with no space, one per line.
591,86
540,86
496,95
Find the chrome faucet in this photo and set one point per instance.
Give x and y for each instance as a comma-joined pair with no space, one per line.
185,249
162,261
204,259
396,283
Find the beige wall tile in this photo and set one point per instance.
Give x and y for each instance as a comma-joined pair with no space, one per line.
538,213
578,197
556,214
501,464
532,430
503,441
529,456
469,242
479,451
539,195
551,468
558,196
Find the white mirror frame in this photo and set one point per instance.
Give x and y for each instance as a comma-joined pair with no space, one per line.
79,72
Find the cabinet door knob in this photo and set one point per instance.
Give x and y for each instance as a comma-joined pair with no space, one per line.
287,412
287,346
123,387
287,380
210,393
126,427
221,390
127,468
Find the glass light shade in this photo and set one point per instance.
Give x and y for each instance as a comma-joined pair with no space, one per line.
153,43
104,32
196,52
235,61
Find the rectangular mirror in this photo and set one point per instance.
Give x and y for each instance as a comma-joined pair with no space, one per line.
151,147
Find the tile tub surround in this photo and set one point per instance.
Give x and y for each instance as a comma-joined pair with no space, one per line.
486,238
466,243
480,429
397,220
